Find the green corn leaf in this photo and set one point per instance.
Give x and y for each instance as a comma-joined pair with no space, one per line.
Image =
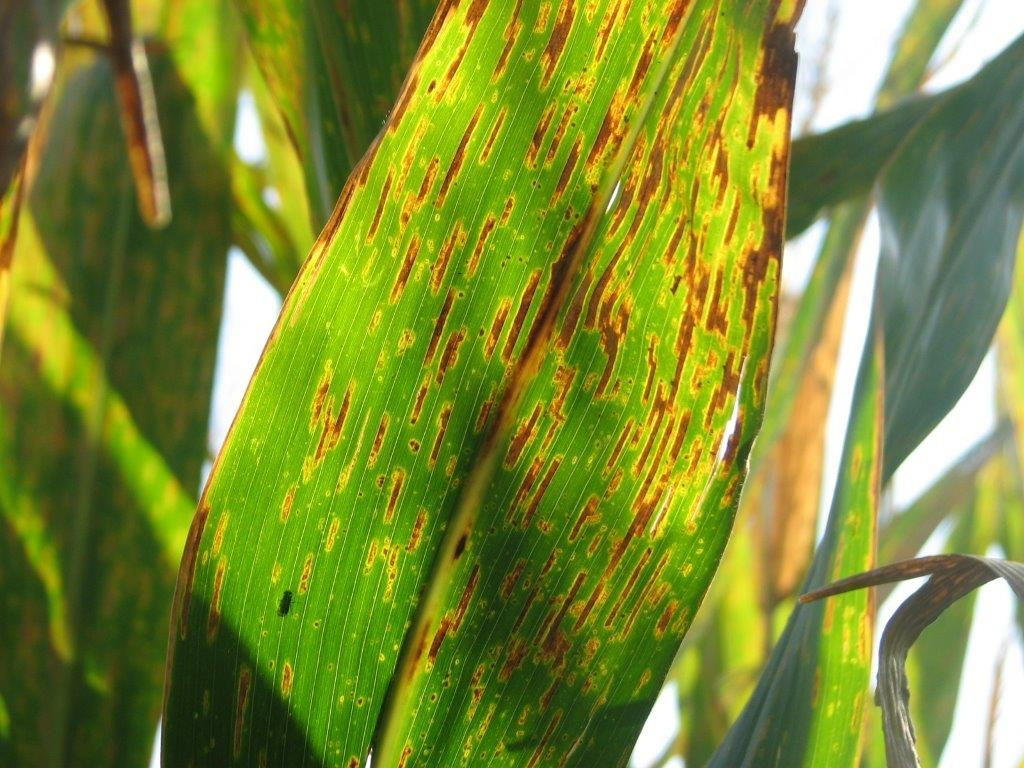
951,202
844,163
505,382
821,181
334,70
105,392
807,706
922,32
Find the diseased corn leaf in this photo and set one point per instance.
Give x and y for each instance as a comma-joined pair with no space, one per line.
334,70
952,578
951,202
726,658
807,706
806,366
105,388
786,463
490,385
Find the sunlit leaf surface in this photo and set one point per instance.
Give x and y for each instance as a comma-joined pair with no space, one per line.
511,382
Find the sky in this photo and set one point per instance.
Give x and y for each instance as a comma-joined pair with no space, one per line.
854,57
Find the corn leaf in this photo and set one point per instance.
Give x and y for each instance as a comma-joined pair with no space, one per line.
952,578
807,707
951,204
805,366
508,382
103,426
334,70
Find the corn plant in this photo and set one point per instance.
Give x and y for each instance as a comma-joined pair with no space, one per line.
529,439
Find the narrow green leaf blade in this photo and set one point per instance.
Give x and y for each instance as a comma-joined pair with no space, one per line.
824,654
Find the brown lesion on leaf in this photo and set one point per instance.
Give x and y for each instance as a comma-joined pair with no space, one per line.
416,535
588,515
512,31
397,481
563,379
378,440
567,170
556,43
512,578
627,589
561,127
371,233
531,512
213,620
478,250
442,426
188,565
421,396
287,679
241,708
405,270
458,159
331,426
523,436
525,301
286,504
525,487
332,534
538,135
450,355
439,323
444,257
538,753
307,573
499,123
497,325
320,396
218,536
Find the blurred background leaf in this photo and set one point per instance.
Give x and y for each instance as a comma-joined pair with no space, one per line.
105,388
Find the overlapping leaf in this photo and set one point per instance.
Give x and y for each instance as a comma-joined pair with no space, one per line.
952,577
951,204
947,248
824,654
475,341
105,388
334,70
